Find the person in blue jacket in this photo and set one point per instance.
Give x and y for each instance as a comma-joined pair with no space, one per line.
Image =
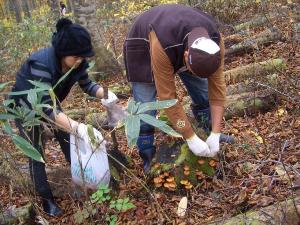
71,45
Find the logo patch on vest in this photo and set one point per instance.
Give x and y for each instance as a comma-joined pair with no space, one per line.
180,123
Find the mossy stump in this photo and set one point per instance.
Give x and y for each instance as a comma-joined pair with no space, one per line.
175,167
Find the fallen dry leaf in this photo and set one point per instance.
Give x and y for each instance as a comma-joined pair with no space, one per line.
182,206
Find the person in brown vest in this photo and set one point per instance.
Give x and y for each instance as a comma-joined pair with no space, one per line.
175,39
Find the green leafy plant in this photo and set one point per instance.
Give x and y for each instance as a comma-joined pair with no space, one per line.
137,112
112,220
29,116
121,204
101,195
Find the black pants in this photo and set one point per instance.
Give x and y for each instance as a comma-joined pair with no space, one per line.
37,169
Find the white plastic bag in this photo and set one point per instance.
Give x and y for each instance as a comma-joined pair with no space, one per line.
93,158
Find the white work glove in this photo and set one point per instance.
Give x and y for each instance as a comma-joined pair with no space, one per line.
198,147
111,98
213,142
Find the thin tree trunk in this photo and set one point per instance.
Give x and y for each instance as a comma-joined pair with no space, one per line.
69,6
17,10
54,7
3,14
85,15
33,4
8,8
26,8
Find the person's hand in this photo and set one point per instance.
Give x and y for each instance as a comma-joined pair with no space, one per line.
74,125
77,128
213,142
111,98
198,147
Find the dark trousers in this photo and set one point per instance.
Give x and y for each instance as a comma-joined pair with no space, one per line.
37,169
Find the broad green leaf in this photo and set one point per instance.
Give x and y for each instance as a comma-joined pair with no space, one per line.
90,131
144,107
129,205
6,126
133,106
2,86
63,77
8,102
132,129
119,207
30,115
159,124
32,97
41,85
11,111
126,200
6,116
43,106
27,148
24,92
120,201
32,122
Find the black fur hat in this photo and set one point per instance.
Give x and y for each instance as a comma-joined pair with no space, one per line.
71,40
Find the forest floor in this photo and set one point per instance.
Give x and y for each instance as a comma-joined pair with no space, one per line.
253,176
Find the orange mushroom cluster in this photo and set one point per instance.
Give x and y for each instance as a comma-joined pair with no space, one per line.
166,181
186,184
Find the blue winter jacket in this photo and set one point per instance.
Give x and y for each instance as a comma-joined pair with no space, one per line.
44,66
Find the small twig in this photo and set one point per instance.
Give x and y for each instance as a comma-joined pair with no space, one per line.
285,145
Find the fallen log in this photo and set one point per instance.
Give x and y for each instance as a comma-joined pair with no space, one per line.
285,212
233,39
249,103
243,73
255,22
291,11
242,87
264,38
